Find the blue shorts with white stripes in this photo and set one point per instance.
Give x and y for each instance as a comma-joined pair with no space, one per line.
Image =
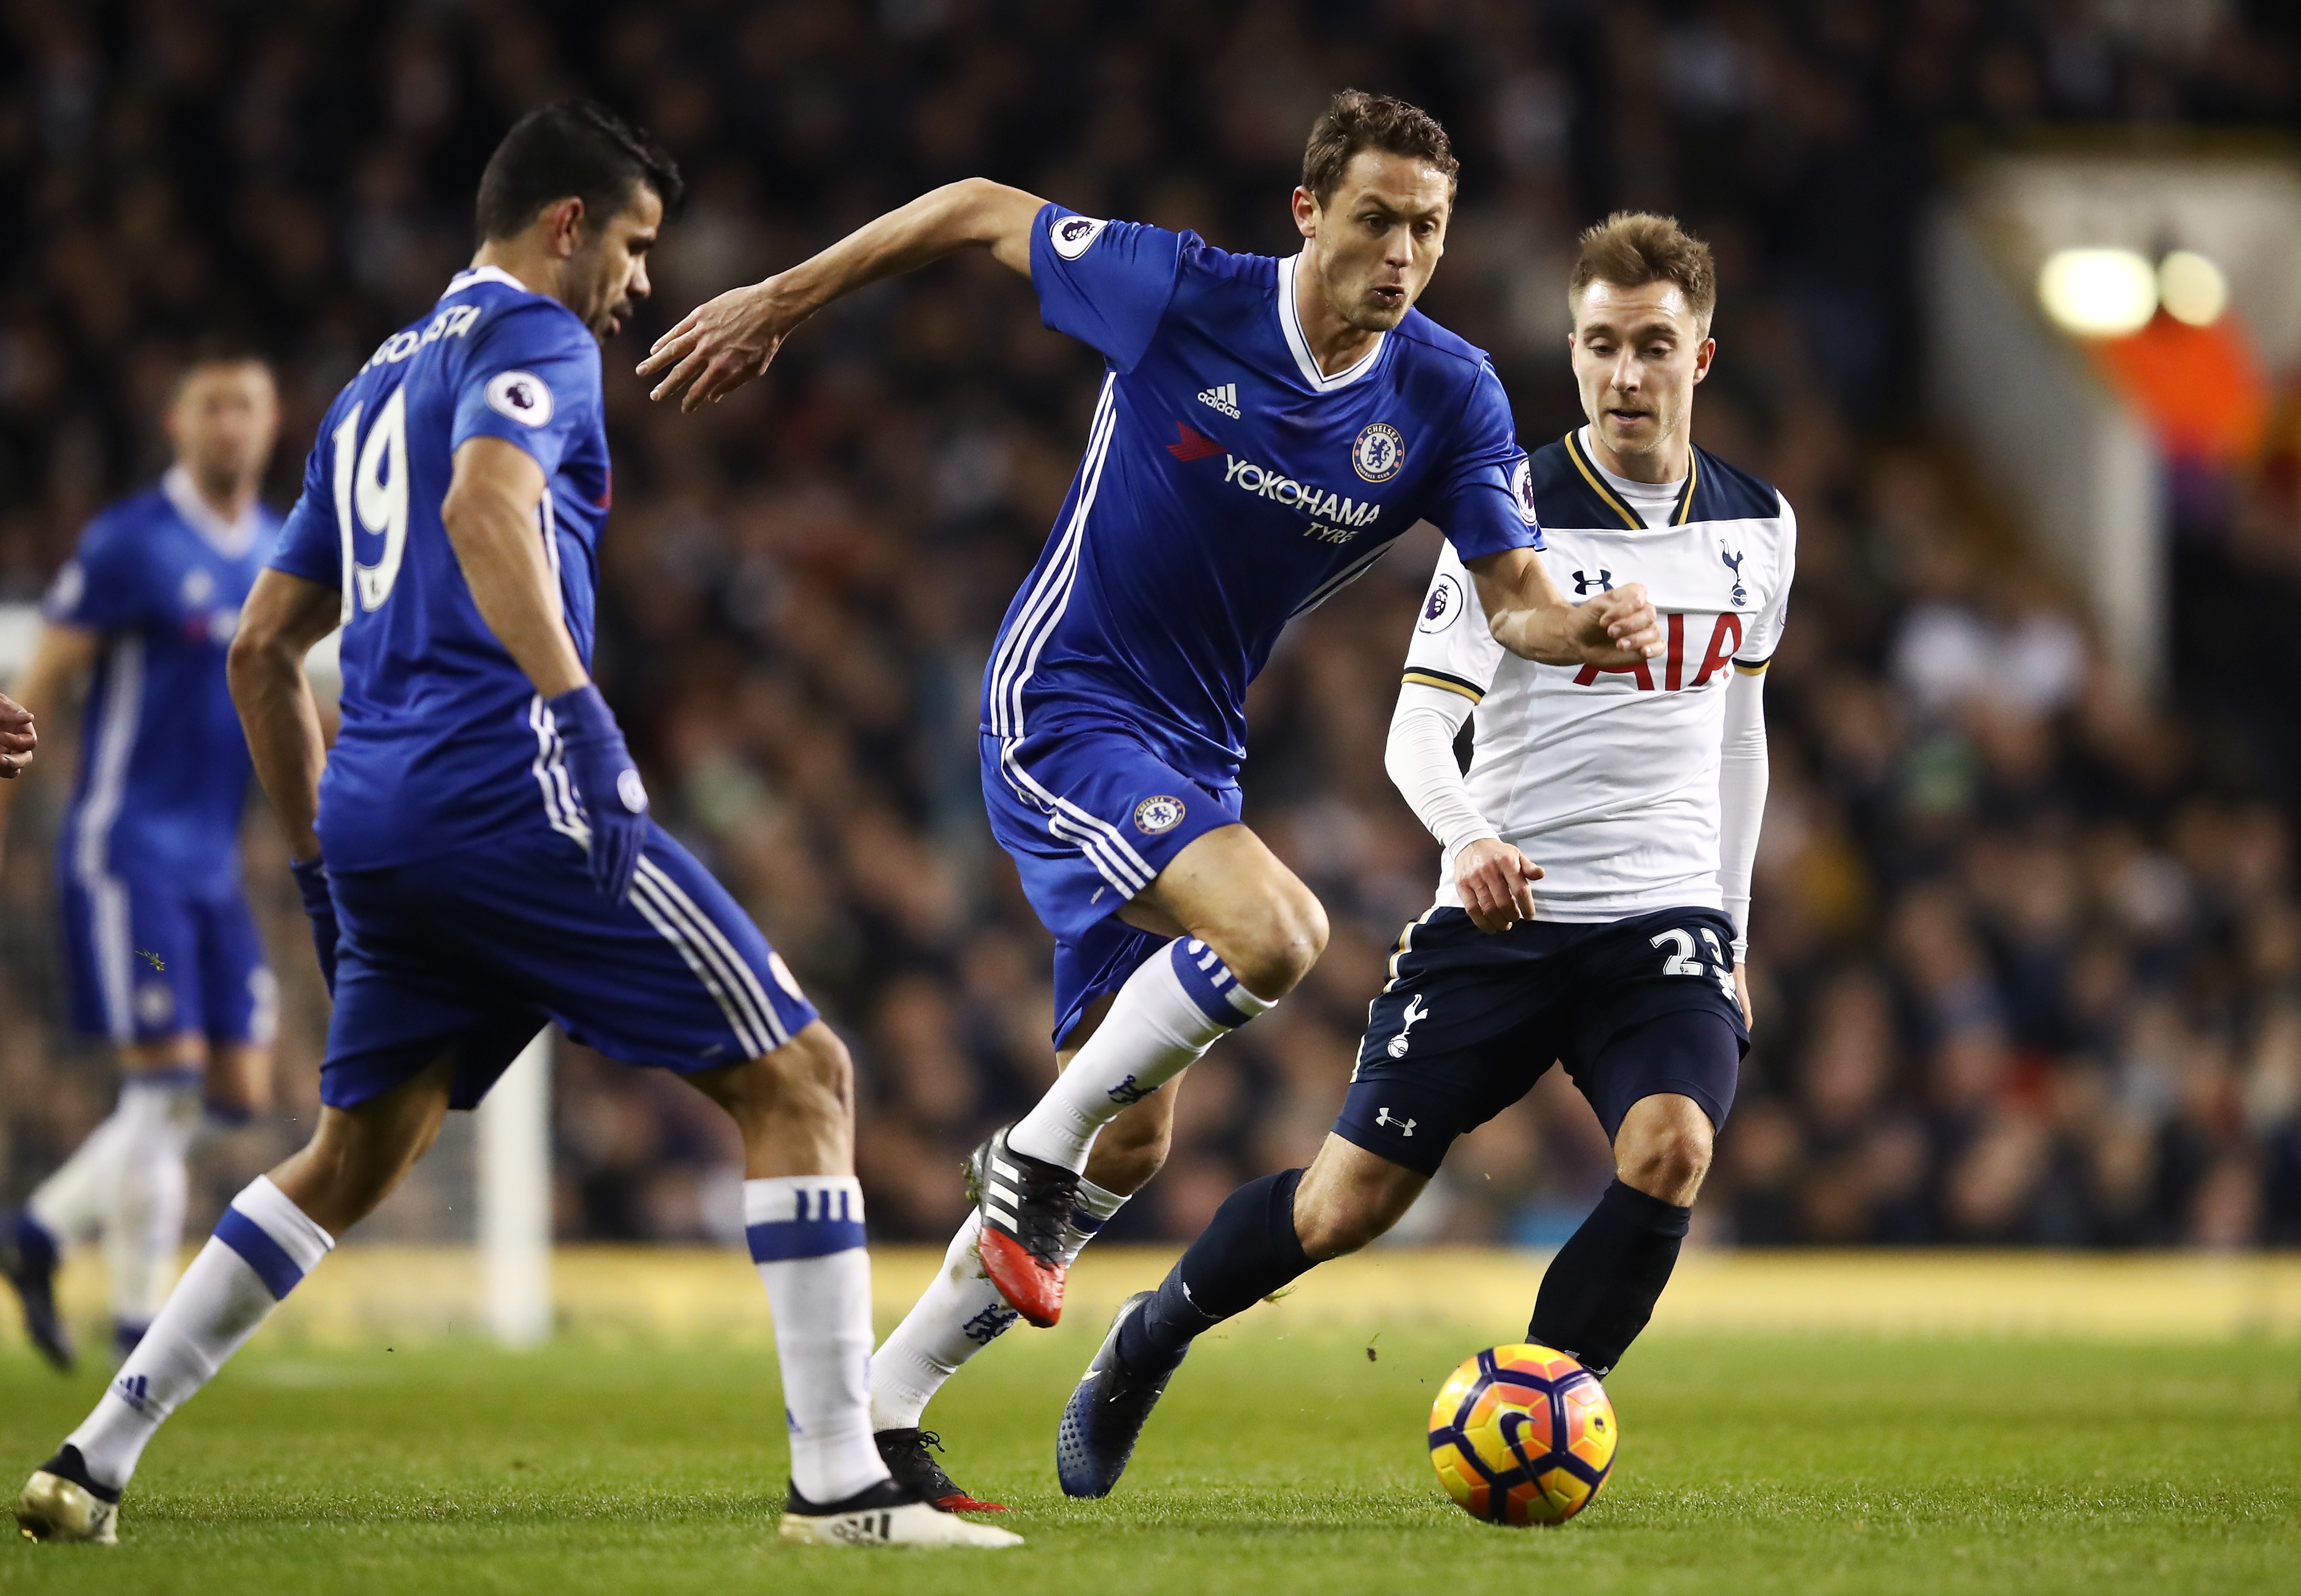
474,952
1091,815
145,959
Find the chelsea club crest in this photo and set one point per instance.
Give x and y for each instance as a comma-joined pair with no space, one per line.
1153,816
1378,453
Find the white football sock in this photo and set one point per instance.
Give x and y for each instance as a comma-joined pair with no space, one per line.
806,1234
1170,1011
158,1115
261,1247
73,1203
958,1315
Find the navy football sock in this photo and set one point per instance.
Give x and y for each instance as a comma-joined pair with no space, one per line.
1601,1289
1247,1251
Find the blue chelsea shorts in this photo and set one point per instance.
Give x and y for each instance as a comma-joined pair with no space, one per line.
474,952
147,959
1091,815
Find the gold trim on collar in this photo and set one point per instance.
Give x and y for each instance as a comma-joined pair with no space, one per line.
1598,487
1693,475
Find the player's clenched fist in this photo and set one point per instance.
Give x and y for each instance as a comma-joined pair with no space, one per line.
1617,629
17,738
722,344
606,784
1496,883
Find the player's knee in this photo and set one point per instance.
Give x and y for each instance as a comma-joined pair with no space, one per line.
811,1072
1276,951
1666,1156
1329,1230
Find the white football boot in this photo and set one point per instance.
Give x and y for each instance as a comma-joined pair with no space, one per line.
884,1515
59,1502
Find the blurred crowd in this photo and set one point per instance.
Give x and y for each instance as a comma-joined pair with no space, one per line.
2028,951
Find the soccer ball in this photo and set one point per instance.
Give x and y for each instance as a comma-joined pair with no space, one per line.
1522,1435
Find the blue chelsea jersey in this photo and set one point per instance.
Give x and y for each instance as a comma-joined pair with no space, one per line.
1229,485
446,744
163,768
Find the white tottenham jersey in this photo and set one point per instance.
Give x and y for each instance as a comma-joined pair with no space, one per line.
1609,780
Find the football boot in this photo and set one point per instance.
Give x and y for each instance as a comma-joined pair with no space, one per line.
1106,1414
28,1258
1025,1203
906,1454
883,1515
59,1502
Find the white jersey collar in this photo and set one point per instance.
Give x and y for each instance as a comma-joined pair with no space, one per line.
1291,325
479,274
234,539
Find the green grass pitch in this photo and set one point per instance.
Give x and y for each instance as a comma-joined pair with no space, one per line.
1806,1464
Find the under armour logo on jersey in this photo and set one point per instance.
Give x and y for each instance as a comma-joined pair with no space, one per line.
1415,1010
1404,1127
1603,582
1222,397
1741,595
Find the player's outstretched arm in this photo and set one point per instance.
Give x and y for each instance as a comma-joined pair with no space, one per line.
284,616
721,345
1529,615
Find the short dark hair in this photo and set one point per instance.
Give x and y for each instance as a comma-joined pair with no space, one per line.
1355,121
210,350
1632,248
577,148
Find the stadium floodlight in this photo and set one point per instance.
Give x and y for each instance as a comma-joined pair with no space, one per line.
2099,292
2192,288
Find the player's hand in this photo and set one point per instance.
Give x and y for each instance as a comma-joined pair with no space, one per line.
17,738
607,786
1495,881
1742,995
1617,630
312,882
722,344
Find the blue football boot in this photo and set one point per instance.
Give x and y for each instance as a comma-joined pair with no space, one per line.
1106,1414
28,1258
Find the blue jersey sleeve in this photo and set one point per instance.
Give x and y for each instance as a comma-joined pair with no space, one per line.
310,543
105,585
531,380
1485,500
1106,283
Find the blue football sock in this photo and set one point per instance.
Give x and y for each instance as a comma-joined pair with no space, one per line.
1602,1288
1247,1251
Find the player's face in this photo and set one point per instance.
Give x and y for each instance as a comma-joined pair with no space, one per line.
1637,355
223,422
607,275
1376,241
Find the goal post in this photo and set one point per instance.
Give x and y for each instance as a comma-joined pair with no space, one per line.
513,1154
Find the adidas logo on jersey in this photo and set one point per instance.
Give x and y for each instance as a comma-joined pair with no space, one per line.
1222,397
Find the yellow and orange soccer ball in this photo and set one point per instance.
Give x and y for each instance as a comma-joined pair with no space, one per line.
1522,1435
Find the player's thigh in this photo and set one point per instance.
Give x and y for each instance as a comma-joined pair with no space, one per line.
794,1107
359,1154
1227,889
131,960
1463,1029
1656,1015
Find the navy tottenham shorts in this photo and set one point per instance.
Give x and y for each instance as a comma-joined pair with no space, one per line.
477,950
1469,1021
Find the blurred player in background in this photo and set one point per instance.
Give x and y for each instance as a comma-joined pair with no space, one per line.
161,953
1640,790
478,860
1265,429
